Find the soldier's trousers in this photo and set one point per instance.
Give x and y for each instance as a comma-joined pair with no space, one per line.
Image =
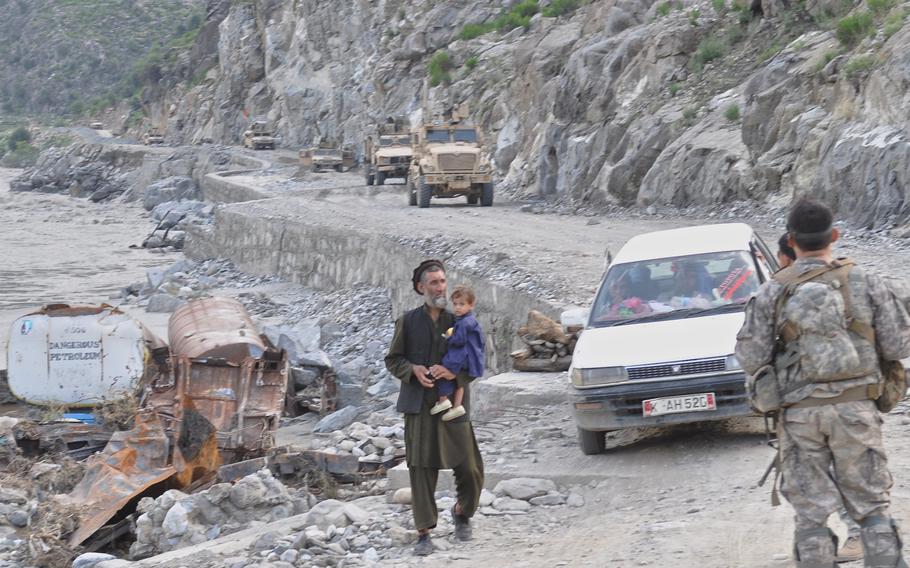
830,453
468,485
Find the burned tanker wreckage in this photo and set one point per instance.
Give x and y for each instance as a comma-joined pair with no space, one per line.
204,410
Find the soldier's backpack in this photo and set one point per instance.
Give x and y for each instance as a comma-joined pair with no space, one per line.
822,342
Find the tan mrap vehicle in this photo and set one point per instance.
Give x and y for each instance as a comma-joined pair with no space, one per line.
259,136
154,136
450,161
388,154
326,158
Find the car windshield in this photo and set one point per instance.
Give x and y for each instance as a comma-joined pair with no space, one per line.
324,152
394,140
437,135
678,287
465,135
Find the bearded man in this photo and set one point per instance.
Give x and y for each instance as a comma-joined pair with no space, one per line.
419,345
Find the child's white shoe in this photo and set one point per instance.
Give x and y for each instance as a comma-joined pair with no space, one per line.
441,407
454,413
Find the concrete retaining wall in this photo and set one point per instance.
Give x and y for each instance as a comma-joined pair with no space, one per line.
326,258
219,188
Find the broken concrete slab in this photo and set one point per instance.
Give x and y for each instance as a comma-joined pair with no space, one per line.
507,393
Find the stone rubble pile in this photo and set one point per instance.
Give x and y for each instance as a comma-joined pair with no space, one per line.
373,444
547,346
94,172
175,519
164,290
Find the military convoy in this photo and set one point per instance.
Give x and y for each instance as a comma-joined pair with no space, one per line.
389,154
259,136
449,161
326,157
154,136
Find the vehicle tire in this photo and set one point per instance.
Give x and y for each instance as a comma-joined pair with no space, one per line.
591,442
338,168
370,179
426,192
412,195
486,195
472,199
380,178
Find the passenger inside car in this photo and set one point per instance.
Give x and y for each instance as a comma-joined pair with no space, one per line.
623,299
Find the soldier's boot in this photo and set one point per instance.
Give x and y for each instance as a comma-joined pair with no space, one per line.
815,548
882,543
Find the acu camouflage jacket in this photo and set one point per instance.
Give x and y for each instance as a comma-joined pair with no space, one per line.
872,302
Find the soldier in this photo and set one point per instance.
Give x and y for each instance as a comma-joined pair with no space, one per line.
419,344
821,325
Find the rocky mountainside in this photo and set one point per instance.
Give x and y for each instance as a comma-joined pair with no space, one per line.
70,56
621,101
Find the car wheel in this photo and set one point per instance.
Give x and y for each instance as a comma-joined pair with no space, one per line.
472,199
426,192
591,442
338,168
486,195
412,195
369,179
380,178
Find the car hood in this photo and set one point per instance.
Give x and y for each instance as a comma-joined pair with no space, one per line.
658,342
437,149
394,151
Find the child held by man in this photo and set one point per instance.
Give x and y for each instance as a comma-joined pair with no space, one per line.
465,352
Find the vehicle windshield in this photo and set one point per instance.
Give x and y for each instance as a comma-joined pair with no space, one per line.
324,152
437,135
465,135
678,287
394,140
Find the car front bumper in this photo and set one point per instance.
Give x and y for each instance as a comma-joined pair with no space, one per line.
613,407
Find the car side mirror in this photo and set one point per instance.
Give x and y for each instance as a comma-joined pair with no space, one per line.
608,259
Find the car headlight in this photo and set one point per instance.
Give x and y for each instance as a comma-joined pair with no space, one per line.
598,376
731,363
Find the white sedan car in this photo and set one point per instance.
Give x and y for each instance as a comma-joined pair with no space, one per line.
658,344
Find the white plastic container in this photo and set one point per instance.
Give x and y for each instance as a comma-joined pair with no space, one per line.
75,356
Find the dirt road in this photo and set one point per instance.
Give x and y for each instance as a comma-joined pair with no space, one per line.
565,251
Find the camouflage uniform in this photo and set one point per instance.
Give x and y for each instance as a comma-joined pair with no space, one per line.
832,452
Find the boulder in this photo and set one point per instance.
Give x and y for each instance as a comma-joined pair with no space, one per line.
524,488
91,559
164,303
338,419
175,188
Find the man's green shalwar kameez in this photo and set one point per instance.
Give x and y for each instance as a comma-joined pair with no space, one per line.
432,444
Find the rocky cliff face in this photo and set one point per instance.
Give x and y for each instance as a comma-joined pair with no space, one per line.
623,101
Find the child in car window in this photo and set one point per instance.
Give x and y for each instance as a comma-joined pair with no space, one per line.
623,301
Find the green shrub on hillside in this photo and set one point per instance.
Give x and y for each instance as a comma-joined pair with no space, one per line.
560,7
731,113
893,23
859,65
720,6
853,28
709,49
663,9
879,7
17,136
24,155
519,16
471,62
439,67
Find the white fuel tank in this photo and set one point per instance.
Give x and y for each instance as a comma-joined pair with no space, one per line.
75,356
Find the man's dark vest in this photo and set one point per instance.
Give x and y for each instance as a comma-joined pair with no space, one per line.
418,333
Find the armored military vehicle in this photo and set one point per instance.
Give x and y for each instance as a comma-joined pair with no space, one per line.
450,161
388,155
259,136
326,157
154,136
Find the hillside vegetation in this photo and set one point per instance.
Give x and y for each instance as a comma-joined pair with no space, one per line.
74,56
